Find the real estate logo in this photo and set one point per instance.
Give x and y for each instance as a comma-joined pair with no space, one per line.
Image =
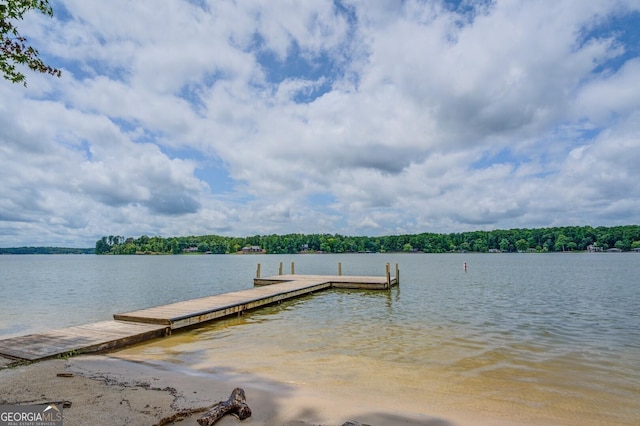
31,415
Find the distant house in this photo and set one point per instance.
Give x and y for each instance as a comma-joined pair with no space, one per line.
252,249
592,249
191,249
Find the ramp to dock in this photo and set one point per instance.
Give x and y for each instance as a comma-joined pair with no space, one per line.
137,326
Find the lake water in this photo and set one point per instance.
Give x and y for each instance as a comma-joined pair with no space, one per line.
527,338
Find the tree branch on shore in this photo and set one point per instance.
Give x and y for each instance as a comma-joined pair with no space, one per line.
180,415
236,405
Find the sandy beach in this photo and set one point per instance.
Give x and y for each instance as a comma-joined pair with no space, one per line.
105,390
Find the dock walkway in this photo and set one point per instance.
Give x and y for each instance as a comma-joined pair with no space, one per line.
145,324
94,337
191,312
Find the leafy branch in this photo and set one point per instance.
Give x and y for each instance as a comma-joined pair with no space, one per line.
14,49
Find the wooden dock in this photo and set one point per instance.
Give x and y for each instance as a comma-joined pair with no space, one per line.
137,326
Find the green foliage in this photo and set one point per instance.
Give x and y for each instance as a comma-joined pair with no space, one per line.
14,49
522,240
522,245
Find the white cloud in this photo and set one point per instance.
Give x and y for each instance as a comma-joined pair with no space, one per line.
402,117
610,96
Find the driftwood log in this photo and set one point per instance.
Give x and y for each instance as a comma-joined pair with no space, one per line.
236,405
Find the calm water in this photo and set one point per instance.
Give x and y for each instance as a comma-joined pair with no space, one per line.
551,338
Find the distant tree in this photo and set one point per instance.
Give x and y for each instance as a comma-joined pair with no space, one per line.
102,246
14,49
175,246
561,242
480,245
522,245
622,245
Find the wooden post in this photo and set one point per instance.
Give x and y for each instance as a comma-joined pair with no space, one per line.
293,269
280,269
339,268
388,276
397,275
258,271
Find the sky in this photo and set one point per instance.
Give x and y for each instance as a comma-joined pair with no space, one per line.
376,117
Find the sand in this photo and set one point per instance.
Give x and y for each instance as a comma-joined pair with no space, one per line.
106,390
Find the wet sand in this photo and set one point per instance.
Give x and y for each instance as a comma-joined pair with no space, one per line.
110,390
104,390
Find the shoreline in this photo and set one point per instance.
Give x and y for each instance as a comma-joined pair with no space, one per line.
109,390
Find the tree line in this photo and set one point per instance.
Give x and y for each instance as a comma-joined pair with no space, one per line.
557,239
45,250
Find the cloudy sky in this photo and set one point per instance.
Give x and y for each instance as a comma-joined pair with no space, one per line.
376,117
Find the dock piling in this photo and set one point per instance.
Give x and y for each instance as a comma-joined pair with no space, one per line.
293,269
397,275
340,268
388,275
258,271
280,269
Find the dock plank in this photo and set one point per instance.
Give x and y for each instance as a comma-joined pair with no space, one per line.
80,339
